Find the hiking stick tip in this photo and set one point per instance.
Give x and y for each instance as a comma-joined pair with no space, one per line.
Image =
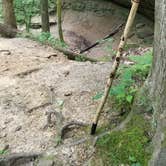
93,129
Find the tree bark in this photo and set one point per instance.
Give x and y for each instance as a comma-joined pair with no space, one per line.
8,13
7,31
59,17
157,84
45,16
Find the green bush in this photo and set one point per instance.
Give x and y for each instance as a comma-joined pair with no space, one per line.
128,81
130,78
26,9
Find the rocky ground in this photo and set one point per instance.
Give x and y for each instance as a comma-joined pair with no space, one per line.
35,80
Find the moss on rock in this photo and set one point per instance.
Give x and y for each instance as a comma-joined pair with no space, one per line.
128,146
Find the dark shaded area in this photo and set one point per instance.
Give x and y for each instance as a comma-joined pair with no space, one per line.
7,31
146,7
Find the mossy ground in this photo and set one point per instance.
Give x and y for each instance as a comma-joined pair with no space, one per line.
127,147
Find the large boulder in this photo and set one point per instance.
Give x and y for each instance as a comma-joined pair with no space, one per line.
146,6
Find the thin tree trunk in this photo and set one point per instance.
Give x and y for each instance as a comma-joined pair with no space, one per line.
59,16
157,84
45,16
8,13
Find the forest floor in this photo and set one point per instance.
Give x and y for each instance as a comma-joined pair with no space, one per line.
36,80
30,74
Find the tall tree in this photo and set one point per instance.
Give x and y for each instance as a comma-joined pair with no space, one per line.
59,16
8,13
157,84
45,16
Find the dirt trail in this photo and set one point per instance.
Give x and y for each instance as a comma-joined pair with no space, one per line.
27,75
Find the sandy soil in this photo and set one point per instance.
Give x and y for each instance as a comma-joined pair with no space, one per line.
27,76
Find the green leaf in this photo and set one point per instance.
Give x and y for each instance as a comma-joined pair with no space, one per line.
97,96
132,159
60,102
3,152
129,98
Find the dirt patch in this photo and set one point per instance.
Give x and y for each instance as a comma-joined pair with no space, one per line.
25,97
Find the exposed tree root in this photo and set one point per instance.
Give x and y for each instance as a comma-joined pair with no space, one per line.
94,140
40,106
25,73
74,56
20,158
56,119
72,124
120,127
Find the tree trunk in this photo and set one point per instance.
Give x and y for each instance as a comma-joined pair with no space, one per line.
7,31
59,15
8,13
157,84
45,16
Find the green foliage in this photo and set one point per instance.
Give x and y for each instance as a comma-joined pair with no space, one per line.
46,37
25,10
2,152
43,37
56,42
129,79
97,96
142,66
126,147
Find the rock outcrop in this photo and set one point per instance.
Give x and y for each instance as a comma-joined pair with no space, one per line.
146,6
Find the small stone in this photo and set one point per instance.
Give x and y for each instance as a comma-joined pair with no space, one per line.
6,52
18,128
52,55
69,93
66,73
3,135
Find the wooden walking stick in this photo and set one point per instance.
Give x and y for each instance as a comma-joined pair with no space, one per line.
130,20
